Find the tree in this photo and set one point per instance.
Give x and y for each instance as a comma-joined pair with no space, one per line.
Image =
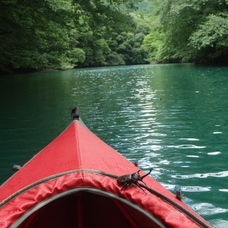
33,34
211,38
192,30
57,34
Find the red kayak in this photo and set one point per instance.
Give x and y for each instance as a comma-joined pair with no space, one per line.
80,181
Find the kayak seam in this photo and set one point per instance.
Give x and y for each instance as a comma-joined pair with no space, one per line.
46,179
78,158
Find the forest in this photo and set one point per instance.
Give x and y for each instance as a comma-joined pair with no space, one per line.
61,34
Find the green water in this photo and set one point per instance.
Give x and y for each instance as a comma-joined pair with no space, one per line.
169,117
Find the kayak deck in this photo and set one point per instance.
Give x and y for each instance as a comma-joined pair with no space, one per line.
72,182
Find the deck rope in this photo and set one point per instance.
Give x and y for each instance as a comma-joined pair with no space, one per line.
52,178
177,206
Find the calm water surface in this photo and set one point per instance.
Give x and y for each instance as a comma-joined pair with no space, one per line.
169,117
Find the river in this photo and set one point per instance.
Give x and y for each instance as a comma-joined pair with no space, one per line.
172,118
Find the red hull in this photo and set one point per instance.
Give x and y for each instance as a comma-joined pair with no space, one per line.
72,183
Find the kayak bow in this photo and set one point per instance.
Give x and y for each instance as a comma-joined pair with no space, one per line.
73,182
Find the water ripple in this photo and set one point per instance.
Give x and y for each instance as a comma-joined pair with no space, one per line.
195,189
219,223
208,209
186,146
202,175
189,139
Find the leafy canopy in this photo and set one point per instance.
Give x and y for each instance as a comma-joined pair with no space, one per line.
189,30
42,34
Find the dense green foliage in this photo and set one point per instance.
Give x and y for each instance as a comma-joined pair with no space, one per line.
42,34
189,30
